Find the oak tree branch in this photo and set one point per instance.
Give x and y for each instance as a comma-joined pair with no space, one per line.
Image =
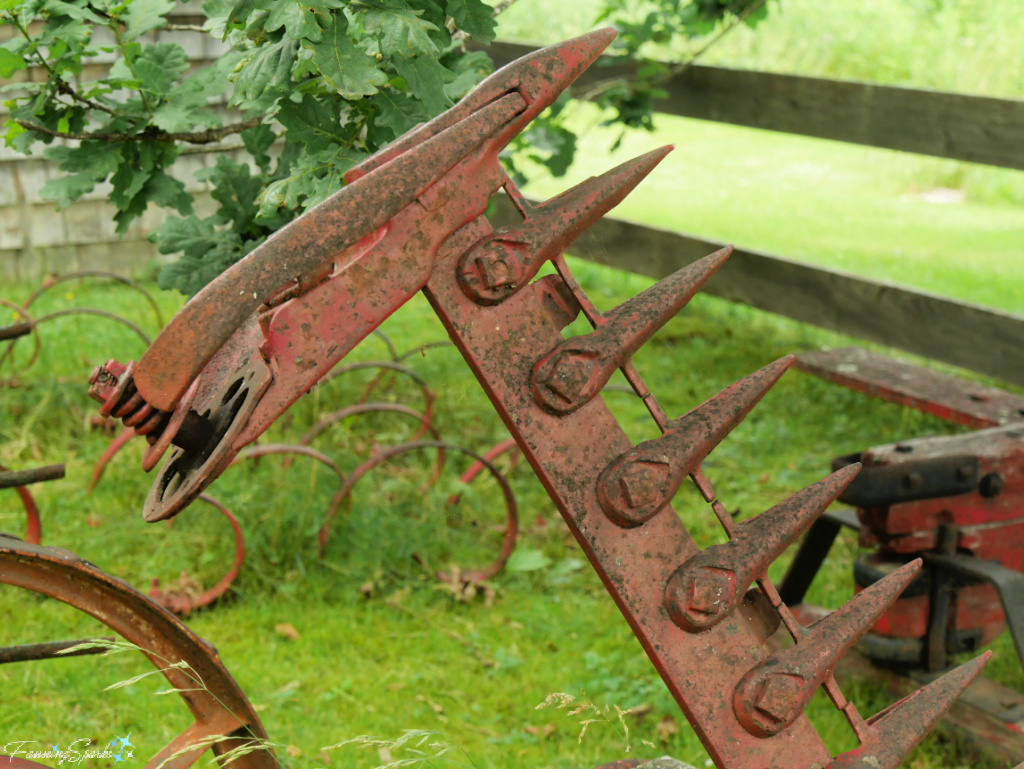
150,134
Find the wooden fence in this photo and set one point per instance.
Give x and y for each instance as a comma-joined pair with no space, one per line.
35,239
968,128
971,128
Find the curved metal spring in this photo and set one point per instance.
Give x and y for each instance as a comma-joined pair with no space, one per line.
86,274
428,396
108,454
33,526
8,353
511,529
365,408
181,603
22,311
99,314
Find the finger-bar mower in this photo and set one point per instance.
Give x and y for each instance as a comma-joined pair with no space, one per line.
411,218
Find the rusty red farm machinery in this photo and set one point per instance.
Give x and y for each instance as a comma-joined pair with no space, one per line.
377,396
411,218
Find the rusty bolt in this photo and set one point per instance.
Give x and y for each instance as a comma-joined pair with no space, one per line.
632,491
494,271
568,377
912,480
638,487
778,695
105,381
991,485
711,591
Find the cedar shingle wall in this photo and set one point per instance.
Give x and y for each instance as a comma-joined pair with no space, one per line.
35,239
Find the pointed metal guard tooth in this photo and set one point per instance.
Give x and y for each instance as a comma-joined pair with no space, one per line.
539,77
898,729
775,692
639,483
501,264
574,371
707,587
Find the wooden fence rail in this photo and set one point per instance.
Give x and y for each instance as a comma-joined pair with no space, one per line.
977,129
970,128
966,335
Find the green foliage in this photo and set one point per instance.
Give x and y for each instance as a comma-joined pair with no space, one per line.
643,28
324,82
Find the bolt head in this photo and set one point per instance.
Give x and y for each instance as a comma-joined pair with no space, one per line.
778,695
494,270
991,485
569,375
638,486
712,591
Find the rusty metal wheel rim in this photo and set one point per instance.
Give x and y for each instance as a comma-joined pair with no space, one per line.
219,707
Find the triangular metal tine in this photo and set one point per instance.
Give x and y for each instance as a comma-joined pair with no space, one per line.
850,621
720,415
705,589
542,75
569,375
507,260
640,482
636,320
898,728
775,692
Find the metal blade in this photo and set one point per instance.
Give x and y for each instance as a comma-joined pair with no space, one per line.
899,728
639,483
501,264
574,371
707,587
775,692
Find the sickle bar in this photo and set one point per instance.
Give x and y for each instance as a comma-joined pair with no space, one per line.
280,329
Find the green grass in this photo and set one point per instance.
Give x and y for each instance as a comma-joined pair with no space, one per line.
835,205
360,665
967,46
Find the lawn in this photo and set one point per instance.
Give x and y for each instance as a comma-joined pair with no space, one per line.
378,646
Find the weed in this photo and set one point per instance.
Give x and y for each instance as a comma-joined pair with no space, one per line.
592,714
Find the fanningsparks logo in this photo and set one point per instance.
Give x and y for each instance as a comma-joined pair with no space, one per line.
119,749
